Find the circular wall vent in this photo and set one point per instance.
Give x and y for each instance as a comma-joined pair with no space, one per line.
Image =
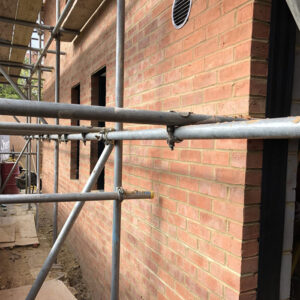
180,12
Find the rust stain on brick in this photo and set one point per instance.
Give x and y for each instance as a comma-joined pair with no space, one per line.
296,120
252,121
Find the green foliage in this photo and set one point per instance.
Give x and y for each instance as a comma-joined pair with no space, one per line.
7,91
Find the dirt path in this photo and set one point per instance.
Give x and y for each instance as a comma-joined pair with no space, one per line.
19,266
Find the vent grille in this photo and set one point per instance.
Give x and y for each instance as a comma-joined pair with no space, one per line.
180,12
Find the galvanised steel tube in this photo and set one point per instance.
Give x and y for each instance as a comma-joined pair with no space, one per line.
15,64
54,32
17,46
13,168
13,84
35,25
38,169
72,197
28,158
102,113
68,224
28,129
17,89
116,230
276,128
56,145
17,153
19,85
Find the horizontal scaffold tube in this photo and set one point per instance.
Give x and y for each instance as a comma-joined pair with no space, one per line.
54,32
10,128
277,128
101,113
72,197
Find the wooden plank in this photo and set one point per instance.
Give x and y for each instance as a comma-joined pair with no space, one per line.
25,232
81,11
28,11
51,290
7,9
7,233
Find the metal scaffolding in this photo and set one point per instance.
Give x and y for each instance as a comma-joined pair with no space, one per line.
178,126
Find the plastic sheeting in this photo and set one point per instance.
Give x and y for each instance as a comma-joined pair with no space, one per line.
4,147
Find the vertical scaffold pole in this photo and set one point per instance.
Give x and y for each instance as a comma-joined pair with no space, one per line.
38,175
116,230
56,144
29,145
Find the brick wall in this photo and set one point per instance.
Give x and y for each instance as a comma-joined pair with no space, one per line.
198,238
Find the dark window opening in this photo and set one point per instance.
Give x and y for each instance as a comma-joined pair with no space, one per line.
98,97
75,145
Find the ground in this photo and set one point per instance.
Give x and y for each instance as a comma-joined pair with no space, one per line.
20,265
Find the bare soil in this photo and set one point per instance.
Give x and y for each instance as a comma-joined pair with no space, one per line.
19,266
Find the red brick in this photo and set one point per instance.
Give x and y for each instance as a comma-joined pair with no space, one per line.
227,243
230,176
262,12
207,47
259,68
183,86
213,189
229,5
218,93
226,276
239,144
222,24
189,183
194,39
177,220
187,239
261,30
245,13
242,88
243,50
196,288
168,204
200,201
183,292
236,71
219,59
188,211
248,282
215,158
208,16
190,99
202,144
186,266
193,68
166,278
198,230
204,80
211,251
250,248
171,295
229,210
205,172
213,222
236,35
177,246
210,282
